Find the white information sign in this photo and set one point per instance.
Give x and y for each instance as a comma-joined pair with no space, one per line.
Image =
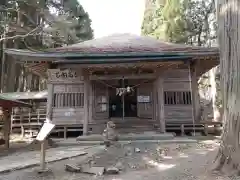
44,131
143,99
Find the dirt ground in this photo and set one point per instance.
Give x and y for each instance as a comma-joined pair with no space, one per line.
139,161
18,144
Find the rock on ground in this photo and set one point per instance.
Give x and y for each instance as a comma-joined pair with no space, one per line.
112,170
72,168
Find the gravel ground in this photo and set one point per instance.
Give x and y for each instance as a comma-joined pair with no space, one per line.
154,161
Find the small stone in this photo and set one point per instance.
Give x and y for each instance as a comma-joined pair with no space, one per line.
137,150
112,170
72,168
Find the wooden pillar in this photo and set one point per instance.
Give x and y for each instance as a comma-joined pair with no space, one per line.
49,102
154,116
7,125
21,122
86,107
43,157
194,89
65,132
160,104
90,109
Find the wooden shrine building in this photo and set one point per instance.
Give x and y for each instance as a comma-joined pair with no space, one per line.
138,82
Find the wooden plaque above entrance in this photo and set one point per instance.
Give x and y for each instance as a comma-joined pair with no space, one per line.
67,75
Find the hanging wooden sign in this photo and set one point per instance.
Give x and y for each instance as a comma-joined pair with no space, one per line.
64,75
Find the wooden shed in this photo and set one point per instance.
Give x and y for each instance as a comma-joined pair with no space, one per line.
24,119
138,82
7,105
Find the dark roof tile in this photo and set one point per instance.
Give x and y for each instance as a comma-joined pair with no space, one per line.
122,43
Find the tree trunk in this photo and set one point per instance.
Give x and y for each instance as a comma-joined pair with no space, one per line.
228,19
3,62
216,113
11,75
18,77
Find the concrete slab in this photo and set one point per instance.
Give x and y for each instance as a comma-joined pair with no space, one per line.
23,160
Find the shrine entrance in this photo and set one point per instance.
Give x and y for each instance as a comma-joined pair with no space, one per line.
123,104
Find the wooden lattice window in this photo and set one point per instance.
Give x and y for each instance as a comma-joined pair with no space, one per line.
102,104
72,100
175,98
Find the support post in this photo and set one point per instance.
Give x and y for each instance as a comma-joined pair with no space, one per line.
43,156
160,107
86,106
182,130
65,132
49,102
155,101
194,91
7,125
21,121
48,119
90,109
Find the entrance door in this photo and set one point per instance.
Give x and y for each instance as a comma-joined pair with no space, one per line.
130,100
116,103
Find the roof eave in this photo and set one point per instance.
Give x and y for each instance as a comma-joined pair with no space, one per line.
69,55
121,60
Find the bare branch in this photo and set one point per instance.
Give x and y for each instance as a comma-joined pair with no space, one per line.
17,10
32,32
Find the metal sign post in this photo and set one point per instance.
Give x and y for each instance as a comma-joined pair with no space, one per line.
41,137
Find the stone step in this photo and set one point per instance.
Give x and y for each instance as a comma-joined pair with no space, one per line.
97,143
136,129
129,137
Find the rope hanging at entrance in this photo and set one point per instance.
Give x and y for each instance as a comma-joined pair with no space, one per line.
121,91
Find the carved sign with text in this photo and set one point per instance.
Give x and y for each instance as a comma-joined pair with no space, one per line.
64,74
67,75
